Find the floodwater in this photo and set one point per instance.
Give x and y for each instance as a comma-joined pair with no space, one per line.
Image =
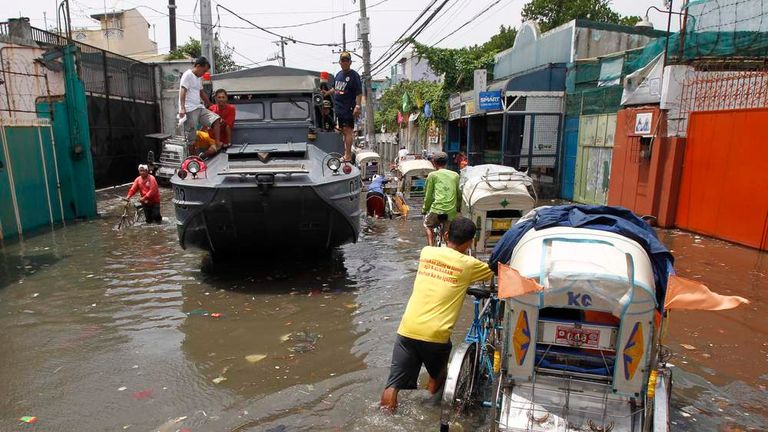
105,330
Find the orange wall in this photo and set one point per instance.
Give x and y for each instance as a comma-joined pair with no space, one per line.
724,184
647,186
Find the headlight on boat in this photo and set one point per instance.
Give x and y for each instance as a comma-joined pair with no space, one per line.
334,164
193,167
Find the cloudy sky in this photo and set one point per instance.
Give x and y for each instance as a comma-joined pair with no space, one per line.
389,19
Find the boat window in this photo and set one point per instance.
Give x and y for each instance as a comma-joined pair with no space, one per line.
250,111
290,110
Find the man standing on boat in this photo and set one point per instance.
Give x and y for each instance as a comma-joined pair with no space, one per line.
348,94
191,108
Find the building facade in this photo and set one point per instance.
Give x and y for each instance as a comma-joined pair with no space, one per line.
124,32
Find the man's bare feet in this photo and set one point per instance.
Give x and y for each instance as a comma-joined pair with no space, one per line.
389,400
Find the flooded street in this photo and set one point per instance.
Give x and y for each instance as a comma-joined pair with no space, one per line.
106,330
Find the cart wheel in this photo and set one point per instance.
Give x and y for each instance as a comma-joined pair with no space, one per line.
459,393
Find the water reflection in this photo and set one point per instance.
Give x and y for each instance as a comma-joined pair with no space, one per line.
105,329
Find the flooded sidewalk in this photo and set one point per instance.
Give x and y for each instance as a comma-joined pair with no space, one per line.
106,330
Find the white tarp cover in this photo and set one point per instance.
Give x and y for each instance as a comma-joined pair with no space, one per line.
496,187
365,156
643,86
415,167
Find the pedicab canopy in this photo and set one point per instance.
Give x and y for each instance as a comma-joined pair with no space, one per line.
415,167
647,268
365,156
487,187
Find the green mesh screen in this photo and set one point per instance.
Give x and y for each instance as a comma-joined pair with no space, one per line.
600,100
725,28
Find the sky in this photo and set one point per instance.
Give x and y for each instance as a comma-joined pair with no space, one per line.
388,20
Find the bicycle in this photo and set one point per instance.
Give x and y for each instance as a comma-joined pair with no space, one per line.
131,215
438,231
475,364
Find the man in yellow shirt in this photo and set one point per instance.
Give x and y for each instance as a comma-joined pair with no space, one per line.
424,335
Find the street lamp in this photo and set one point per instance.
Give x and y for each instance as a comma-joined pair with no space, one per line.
645,23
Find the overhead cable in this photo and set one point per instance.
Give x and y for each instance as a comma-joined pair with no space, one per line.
290,39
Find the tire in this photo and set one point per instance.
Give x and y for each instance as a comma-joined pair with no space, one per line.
459,393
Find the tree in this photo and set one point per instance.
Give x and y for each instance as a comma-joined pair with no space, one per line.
552,13
457,65
193,48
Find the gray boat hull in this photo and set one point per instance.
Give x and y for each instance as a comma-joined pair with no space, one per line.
235,214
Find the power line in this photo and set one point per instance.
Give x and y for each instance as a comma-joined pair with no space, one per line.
411,37
324,19
477,15
273,33
399,38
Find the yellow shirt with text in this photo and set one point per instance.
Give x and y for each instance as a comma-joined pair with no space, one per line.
438,293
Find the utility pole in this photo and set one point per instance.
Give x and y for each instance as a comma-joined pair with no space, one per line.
206,33
172,22
280,55
364,25
343,36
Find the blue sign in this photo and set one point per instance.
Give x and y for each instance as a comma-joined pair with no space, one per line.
490,101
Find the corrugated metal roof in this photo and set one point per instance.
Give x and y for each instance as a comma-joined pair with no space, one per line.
268,79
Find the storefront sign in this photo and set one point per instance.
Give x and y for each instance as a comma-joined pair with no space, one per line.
480,84
469,107
455,114
490,100
454,101
643,123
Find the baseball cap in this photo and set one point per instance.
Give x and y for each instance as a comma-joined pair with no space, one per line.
345,55
440,157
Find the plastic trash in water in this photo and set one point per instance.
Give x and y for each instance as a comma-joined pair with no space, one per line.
28,419
139,395
216,315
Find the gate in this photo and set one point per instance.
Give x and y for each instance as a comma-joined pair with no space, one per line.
724,189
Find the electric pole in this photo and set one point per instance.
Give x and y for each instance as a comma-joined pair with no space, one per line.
365,27
206,33
343,36
172,23
282,50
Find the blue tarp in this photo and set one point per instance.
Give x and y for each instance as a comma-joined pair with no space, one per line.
617,220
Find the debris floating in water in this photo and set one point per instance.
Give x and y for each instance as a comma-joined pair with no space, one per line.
144,394
28,419
219,380
122,388
255,358
216,315
688,347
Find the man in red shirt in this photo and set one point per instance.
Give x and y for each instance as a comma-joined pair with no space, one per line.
149,194
227,113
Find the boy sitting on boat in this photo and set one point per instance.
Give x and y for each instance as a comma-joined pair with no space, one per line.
438,294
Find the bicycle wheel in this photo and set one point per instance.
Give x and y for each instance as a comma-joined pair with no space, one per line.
459,391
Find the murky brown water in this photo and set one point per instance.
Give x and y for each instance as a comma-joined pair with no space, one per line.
106,331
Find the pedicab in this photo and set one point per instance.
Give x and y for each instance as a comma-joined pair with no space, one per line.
572,339
494,197
368,162
412,177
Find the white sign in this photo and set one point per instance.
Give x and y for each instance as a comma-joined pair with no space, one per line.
643,122
455,114
481,82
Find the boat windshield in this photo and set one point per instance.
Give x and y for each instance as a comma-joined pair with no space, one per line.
250,111
290,110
